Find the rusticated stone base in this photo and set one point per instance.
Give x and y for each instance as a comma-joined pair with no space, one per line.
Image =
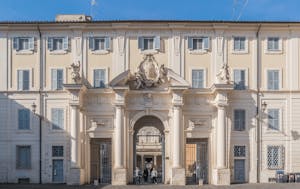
119,177
221,177
75,176
178,176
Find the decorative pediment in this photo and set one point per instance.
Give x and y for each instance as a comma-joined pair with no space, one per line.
149,75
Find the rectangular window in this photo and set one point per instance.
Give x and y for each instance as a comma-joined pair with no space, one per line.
23,79
275,157
57,118
58,43
239,120
198,43
99,78
99,43
197,78
149,43
273,43
239,43
57,151
57,79
23,43
23,119
23,157
239,151
273,119
239,79
273,79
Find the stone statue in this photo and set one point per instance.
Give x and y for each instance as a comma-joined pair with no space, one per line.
223,75
75,72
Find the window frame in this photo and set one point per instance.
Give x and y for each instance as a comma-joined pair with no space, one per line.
29,80
243,154
105,77
18,166
244,121
273,51
246,84
65,44
28,120
16,44
240,51
58,127
57,81
203,49
53,155
278,119
107,44
281,157
203,79
279,79
156,44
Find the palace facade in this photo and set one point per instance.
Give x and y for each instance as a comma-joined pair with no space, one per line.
85,101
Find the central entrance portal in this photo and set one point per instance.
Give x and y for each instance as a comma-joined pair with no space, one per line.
149,151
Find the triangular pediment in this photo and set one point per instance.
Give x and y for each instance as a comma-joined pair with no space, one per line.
172,80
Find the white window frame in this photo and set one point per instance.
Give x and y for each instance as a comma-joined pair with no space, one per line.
30,120
274,51
31,48
279,119
17,157
64,122
239,145
59,51
280,79
244,51
105,50
149,51
203,50
50,74
246,77
233,124
106,76
281,158
204,76
30,79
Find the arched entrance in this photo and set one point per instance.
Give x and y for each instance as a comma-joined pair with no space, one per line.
148,150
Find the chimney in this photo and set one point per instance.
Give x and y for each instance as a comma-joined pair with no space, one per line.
72,18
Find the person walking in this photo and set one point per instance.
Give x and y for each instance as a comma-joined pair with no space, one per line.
154,175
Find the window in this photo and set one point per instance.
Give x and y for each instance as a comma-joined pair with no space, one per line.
99,78
57,118
23,43
57,151
239,79
149,43
273,119
99,43
57,79
198,43
275,157
23,119
273,79
239,120
58,43
273,43
239,151
239,44
23,157
23,79
197,78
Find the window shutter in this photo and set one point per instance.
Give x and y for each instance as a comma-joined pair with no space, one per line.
26,119
59,79
141,43
270,44
16,43
65,43
276,80
60,116
242,43
54,79
92,43
206,43
102,78
96,78
31,43
190,43
235,43
20,79
50,43
20,118
157,42
54,115
242,82
107,43
25,79
237,78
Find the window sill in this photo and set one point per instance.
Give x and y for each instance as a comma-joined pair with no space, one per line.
149,51
239,52
24,52
274,51
100,52
56,52
24,131
198,51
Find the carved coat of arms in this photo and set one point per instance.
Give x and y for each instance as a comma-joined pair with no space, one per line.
148,74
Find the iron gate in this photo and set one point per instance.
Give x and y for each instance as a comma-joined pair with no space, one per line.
196,161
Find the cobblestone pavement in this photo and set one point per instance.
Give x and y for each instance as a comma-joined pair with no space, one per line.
235,186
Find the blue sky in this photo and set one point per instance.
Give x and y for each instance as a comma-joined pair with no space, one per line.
280,10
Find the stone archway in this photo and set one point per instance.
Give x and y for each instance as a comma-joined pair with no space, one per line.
148,148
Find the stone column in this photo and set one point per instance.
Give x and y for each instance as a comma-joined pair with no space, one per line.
221,137
119,138
74,136
176,136
119,171
178,172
